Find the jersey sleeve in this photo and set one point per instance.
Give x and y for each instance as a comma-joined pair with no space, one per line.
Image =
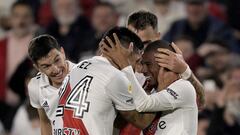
33,92
174,96
117,90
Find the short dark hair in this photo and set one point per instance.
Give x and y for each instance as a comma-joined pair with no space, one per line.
21,3
153,46
141,19
125,36
40,46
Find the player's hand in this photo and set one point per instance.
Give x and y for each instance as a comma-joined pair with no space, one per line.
116,52
165,78
170,60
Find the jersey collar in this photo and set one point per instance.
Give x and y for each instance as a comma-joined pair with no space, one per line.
102,59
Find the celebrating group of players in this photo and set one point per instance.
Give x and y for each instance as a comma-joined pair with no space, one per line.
139,77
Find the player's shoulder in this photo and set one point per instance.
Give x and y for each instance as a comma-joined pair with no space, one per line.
100,64
183,87
71,65
33,87
182,84
35,81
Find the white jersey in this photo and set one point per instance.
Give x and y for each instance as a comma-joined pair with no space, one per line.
91,96
177,104
43,95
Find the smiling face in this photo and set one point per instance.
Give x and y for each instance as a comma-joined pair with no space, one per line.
54,66
150,68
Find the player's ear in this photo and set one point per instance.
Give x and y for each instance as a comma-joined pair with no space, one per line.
63,52
158,36
35,66
130,47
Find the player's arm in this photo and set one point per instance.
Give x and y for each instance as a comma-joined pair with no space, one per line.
117,90
166,58
140,120
175,62
46,128
167,99
33,92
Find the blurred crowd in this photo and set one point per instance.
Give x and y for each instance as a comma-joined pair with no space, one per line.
207,31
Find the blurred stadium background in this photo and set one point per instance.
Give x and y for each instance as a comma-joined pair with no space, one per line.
207,31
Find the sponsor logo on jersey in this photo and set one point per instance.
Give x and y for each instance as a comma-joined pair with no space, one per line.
45,105
66,131
130,88
173,93
130,100
162,125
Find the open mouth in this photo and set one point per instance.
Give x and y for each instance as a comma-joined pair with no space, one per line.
59,75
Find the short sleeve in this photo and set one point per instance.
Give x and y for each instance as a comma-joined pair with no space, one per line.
117,90
33,91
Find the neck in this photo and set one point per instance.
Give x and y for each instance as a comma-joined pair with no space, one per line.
56,85
111,61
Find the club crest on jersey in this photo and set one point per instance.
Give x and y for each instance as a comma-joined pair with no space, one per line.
45,105
130,88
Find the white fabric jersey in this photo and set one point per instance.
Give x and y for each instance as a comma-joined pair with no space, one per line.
43,95
177,104
90,97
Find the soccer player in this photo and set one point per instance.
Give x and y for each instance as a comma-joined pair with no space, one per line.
96,90
145,25
49,58
175,99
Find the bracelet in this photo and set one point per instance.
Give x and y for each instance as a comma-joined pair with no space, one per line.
186,74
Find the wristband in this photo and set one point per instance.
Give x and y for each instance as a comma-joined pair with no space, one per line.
186,74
